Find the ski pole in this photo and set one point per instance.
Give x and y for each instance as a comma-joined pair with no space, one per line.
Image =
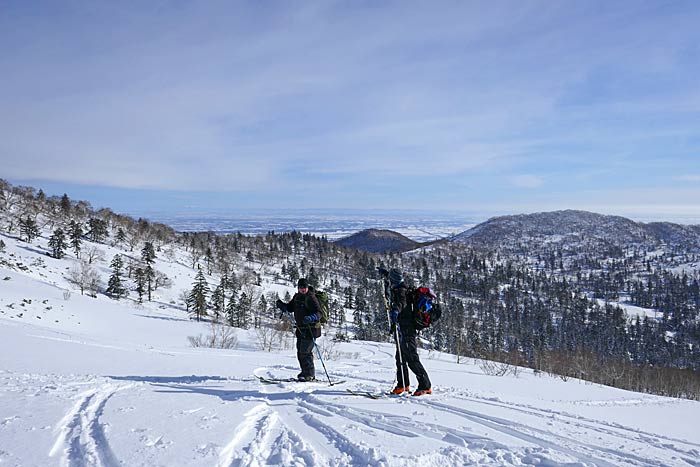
396,333
318,351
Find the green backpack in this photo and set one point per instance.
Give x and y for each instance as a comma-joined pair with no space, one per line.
322,298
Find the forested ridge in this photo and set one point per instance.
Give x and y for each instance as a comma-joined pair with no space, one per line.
541,298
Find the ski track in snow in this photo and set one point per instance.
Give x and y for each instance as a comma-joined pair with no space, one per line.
577,428
82,439
625,434
565,435
312,424
287,426
313,406
262,439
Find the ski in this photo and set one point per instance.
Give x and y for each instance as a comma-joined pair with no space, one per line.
365,394
266,380
377,395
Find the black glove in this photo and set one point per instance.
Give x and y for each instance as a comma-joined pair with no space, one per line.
394,315
281,305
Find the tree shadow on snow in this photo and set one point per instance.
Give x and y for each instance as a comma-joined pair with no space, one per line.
168,379
227,394
168,305
235,395
33,249
193,385
164,318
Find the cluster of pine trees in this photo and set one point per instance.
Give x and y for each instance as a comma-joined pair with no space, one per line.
654,277
75,227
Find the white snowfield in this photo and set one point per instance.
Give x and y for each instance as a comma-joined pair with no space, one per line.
97,382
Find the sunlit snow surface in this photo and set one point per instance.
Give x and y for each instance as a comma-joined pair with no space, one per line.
96,382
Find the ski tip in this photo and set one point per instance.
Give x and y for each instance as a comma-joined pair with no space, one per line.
363,393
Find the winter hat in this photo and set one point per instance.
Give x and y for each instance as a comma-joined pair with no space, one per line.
302,283
395,276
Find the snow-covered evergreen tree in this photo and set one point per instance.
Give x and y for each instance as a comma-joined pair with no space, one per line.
148,253
231,310
148,256
57,243
140,279
198,296
65,205
97,229
75,232
28,229
218,298
115,286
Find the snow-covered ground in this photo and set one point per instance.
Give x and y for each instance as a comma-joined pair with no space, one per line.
96,382
632,311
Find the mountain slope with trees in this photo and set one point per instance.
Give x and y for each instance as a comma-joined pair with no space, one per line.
378,241
561,306
519,233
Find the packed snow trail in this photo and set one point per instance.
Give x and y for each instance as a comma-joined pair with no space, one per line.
240,421
82,441
308,424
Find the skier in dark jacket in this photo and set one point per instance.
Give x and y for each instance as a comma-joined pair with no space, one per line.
307,313
402,316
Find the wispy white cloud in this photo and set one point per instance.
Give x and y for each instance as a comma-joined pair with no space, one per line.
238,96
527,181
688,178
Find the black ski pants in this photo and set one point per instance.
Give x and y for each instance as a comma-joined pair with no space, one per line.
305,355
409,359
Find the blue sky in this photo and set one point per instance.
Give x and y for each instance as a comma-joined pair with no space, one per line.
492,106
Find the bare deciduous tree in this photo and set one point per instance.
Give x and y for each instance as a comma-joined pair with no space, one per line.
85,277
220,337
93,253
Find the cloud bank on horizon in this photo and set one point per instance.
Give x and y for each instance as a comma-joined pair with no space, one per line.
501,105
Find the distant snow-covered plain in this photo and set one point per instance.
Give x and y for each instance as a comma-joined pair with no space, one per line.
334,224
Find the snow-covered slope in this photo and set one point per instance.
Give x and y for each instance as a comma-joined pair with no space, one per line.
577,227
92,381
557,225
